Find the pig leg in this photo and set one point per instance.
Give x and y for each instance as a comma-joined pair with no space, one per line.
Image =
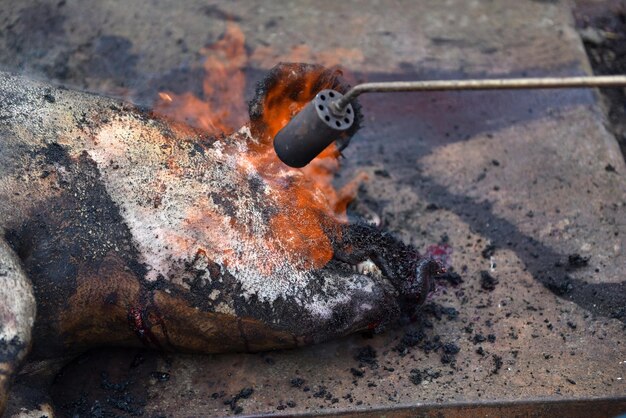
17,316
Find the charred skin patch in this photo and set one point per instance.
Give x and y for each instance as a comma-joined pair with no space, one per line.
192,329
10,353
76,250
9,350
410,273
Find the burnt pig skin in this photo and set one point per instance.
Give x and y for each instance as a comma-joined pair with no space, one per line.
121,228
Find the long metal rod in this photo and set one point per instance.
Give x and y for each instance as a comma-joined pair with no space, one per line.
488,84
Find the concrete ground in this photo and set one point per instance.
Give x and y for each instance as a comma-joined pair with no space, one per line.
523,193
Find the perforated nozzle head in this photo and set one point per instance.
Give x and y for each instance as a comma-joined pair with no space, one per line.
313,129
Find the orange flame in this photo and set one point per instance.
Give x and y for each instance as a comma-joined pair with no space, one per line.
310,193
222,108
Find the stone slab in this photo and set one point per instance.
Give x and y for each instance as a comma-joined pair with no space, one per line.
534,174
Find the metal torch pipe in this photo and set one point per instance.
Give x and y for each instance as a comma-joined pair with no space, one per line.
489,84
